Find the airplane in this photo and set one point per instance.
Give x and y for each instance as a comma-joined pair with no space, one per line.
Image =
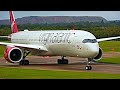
72,43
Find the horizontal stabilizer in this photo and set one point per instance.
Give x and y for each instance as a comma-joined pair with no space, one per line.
4,36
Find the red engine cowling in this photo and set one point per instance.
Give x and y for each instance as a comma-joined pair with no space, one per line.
13,54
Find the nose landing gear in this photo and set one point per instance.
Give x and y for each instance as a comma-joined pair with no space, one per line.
88,67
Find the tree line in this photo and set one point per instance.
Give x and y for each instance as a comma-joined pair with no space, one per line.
99,29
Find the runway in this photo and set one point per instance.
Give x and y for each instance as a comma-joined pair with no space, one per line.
75,64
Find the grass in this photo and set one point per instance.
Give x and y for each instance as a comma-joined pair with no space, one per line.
113,60
2,48
18,73
110,46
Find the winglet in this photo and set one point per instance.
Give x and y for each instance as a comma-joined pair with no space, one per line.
14,27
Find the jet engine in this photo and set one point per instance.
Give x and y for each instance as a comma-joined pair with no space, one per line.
13,54
99,56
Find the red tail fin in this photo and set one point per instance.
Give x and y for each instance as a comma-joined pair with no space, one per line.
14,27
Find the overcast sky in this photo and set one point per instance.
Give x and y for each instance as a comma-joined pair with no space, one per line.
109,15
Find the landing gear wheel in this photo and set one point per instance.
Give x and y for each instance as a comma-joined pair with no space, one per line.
21,62
64,61
24,62
88,67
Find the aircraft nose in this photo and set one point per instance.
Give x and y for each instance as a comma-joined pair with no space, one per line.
94,50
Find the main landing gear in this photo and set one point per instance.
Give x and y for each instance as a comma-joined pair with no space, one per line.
63,61
88,67
23,61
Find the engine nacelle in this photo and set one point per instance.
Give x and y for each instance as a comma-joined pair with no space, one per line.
99,56
13,54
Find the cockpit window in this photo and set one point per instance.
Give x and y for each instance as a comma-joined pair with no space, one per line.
89,41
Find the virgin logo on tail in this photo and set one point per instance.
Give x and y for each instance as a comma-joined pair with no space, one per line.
14,27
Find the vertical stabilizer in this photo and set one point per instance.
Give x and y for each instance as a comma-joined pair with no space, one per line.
14,27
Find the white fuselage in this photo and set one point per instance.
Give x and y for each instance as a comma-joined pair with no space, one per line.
74,43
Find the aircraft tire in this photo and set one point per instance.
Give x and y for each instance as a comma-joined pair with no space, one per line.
60,61
24,62
88,67
65,61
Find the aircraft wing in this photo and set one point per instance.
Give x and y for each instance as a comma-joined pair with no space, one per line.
4,36
105,39
37,47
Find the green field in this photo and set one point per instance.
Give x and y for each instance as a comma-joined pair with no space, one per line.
2,48
110,46
113,60
19,73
